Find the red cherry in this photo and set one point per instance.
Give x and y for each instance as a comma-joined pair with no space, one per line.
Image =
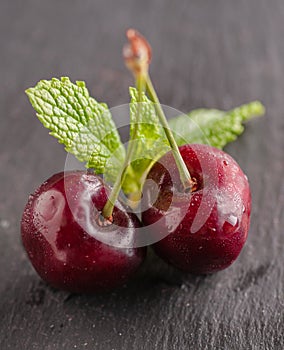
208,227
67,240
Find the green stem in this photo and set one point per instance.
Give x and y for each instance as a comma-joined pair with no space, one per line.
184,173
108,208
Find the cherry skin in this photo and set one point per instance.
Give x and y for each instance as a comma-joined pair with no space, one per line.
67,240
207,227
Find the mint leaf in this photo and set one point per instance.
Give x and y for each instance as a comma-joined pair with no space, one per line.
203,126
150,141
212,126
79,122
87,130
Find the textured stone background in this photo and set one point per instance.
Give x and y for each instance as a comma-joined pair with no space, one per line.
206,53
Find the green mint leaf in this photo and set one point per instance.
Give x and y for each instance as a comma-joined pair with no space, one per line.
207,126
79,122
87,130
150,141
212,126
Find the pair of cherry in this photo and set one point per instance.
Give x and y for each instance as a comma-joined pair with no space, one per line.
63,231
80,237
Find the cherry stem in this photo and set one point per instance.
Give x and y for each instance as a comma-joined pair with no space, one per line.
108,208
184,173
138,55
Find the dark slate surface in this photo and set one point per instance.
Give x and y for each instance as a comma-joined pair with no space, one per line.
206,53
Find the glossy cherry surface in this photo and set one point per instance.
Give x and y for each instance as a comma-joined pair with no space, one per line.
206,228
64,238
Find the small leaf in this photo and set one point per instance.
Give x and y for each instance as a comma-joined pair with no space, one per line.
212,126
79,122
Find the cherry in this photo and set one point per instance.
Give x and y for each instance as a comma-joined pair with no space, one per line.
208,226
69,243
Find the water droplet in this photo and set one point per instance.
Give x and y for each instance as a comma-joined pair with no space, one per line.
232,219
225,162
231,224
243,209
